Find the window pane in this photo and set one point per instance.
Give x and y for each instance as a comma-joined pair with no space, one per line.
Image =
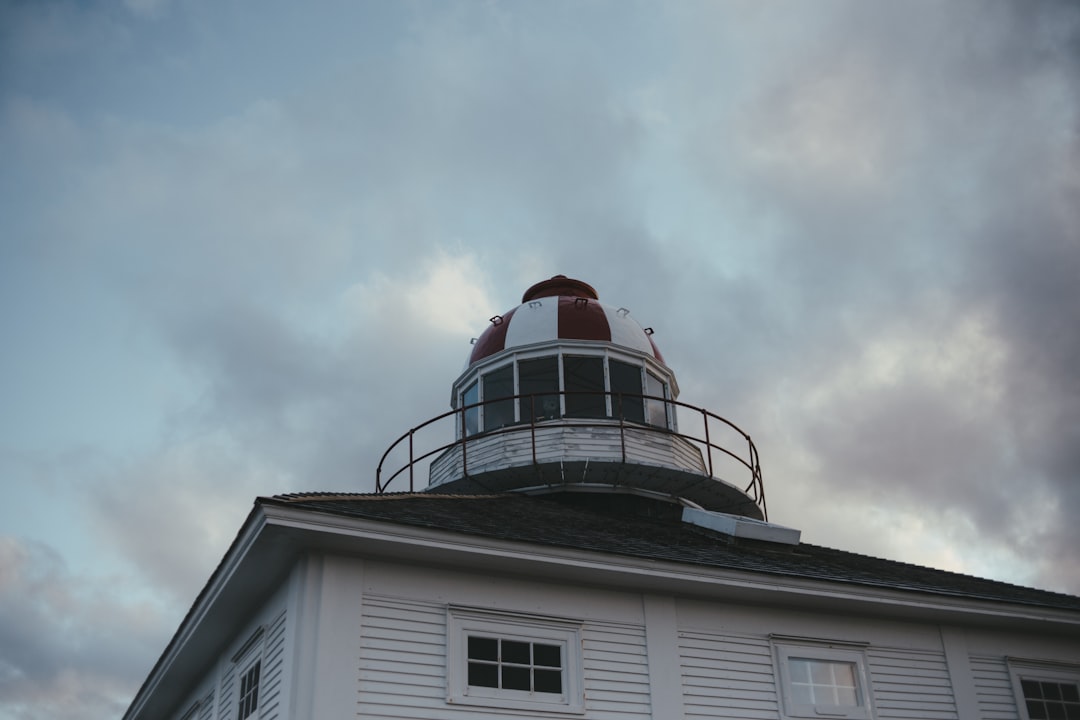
820,673
1036,710
800,670
547,655
657,409
538,381
1055,709
1051,691
802,694
499,384
584,382
515,678
547,681
481,648
481,675
626,379
1070,693
515,652
846,696
1031,689
472,415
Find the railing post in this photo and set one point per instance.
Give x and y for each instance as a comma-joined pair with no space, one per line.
465,443
622,428
532,425
411,460
708,443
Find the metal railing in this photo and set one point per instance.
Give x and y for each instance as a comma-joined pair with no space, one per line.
755,488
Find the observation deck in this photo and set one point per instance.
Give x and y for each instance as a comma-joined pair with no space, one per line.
711,463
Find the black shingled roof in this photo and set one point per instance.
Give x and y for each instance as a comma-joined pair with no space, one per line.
547,521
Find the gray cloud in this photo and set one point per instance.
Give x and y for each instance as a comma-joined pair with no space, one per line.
854,230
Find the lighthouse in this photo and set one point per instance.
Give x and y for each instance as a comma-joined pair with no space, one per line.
572,540
564,394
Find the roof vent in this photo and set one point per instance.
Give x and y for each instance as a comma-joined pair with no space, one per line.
743,527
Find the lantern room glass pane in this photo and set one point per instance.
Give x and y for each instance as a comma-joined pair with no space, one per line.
472,414
584,383
657,409
498,388
538,383
626,391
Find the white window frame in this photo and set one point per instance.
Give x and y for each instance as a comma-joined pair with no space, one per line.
461,622
1020,670
824,651
244,659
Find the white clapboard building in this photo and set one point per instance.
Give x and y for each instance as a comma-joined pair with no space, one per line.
570,541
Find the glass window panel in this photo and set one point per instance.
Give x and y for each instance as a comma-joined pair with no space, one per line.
800,670
481,675
498,384
821,673
843,674
1031,689
1036,710
657,409
1051,691
547,655
846,696
481,648
547,681
472,415
1055,710
1070,693
802,694
584,383
515,652
538,383
515,678
626,391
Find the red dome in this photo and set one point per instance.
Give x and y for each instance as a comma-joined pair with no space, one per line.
562,309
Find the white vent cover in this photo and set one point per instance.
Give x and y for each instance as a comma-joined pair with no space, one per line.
743,527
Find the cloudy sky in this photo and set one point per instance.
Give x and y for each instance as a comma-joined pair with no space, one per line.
244,245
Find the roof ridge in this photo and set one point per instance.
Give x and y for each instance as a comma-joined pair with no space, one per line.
327,496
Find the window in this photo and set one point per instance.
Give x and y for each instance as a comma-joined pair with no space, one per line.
472,414
499,384
1047,691
654,386
502,660
539,383
249,691
823,680
557,386
584,382
626,401
248,663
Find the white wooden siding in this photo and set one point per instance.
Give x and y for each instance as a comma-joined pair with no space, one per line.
270,681
910,684
726,676
616,670
993,686
226,697
402,669
402,650
206,708
568,443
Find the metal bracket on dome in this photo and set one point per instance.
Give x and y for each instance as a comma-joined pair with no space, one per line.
581,302
622,312
472,341
497,320
535,304
648,331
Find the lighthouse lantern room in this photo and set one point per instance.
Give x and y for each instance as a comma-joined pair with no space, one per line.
566,394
